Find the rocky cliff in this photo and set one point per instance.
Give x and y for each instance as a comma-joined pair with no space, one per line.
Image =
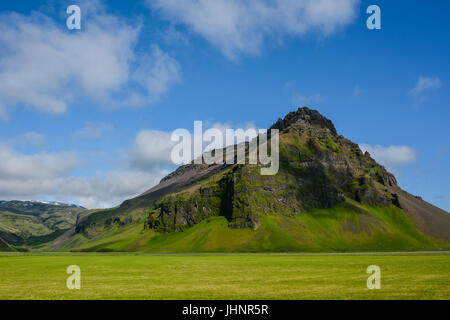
318,169
326,196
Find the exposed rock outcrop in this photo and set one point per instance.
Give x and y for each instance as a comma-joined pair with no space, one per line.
318,169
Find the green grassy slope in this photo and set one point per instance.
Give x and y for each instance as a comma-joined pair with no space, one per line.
4,246
349,226
24,224
224,276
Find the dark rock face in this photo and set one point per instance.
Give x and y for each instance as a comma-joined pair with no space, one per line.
318,169
304,116
177,212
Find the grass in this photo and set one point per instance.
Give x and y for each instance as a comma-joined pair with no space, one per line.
225,276
22,223
349,227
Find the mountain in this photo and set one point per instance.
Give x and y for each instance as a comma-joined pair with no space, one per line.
27,224
327,196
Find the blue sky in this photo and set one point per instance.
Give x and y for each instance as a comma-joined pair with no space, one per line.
85,115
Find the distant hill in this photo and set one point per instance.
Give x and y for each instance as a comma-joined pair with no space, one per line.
327,196
26,224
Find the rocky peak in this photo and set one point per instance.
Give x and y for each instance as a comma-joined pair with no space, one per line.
304,117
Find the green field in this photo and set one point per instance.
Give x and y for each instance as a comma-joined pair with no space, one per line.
225,276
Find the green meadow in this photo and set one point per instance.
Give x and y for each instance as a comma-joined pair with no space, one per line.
225,276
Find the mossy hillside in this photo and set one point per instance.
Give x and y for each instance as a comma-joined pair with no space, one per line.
302,208
327,196
317,170
4,246
348,227
26,224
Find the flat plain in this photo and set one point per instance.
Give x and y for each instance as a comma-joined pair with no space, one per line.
421,275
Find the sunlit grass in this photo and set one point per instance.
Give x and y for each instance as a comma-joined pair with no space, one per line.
224,276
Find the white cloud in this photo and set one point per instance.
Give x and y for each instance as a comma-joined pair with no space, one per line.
33,139
93,130
3,112
45,66
289,85
104,190
357,91
23,167
152,148
391,157
101,191
172,36
156,72
302,100
242,26
424,84
52,176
